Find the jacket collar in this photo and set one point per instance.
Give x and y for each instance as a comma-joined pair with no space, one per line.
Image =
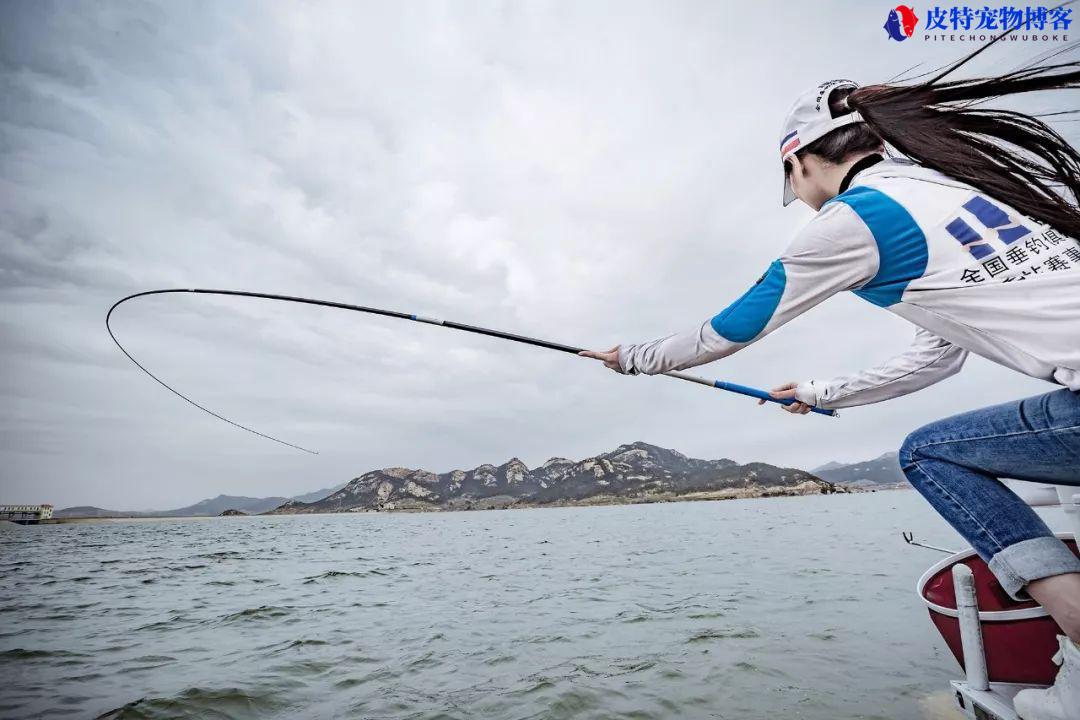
863,164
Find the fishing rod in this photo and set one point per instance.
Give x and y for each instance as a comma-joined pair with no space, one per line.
536,342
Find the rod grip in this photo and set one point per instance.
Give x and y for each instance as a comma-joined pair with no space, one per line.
764,395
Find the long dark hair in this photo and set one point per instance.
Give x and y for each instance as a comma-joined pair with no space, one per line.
1013,157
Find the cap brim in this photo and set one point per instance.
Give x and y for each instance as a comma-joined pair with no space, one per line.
789,194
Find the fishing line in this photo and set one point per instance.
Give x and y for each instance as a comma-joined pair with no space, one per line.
536,342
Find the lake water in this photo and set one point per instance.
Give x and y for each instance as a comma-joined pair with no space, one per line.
784,607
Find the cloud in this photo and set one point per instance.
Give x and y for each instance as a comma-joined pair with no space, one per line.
550,169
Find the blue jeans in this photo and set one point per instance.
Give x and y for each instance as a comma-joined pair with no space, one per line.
956,462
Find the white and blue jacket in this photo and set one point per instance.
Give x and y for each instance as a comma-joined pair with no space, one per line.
973,274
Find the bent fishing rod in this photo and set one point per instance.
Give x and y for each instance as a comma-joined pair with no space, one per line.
536,342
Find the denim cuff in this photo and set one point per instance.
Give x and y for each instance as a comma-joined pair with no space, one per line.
1031,560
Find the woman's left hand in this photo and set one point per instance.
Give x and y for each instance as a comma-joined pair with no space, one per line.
610,358
785,391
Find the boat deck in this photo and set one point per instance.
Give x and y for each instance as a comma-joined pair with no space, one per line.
993,704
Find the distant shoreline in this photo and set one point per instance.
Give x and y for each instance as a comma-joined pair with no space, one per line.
116,518
601,500
597,501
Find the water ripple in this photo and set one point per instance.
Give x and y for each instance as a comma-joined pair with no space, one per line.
743,609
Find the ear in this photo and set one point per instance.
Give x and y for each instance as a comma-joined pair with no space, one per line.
811,166
797,165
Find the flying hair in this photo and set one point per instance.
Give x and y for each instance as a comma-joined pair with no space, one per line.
942,123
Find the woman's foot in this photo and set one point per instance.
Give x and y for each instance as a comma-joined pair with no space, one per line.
1061,701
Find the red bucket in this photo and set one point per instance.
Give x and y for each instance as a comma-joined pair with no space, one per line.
1019,637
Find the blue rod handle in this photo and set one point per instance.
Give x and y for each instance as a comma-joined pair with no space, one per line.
764,395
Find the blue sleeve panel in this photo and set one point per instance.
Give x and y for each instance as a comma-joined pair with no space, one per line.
744,319
901,243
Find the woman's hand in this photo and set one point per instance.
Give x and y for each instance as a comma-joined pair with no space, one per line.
785,391
610,358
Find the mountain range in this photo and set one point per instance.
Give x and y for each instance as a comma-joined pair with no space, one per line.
637,472
208,507
880,473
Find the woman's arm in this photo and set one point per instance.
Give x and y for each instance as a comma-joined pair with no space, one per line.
930,359
834,252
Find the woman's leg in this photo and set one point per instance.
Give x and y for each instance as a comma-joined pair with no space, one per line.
956,462
1060,595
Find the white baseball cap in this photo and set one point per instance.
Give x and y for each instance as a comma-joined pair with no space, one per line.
808,120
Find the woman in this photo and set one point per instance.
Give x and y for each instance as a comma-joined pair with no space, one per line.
969,241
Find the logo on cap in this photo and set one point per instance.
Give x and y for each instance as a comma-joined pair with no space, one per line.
789,143
900,25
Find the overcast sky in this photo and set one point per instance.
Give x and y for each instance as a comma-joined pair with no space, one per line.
593,173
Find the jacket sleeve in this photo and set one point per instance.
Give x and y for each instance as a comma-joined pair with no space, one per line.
930,359
833,253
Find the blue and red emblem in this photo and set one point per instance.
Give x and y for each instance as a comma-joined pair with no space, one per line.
901,23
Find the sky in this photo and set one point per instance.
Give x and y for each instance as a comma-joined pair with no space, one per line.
590,172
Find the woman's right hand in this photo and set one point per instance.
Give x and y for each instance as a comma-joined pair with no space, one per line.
610,358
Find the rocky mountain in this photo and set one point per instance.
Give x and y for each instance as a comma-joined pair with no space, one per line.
638,472
881,472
